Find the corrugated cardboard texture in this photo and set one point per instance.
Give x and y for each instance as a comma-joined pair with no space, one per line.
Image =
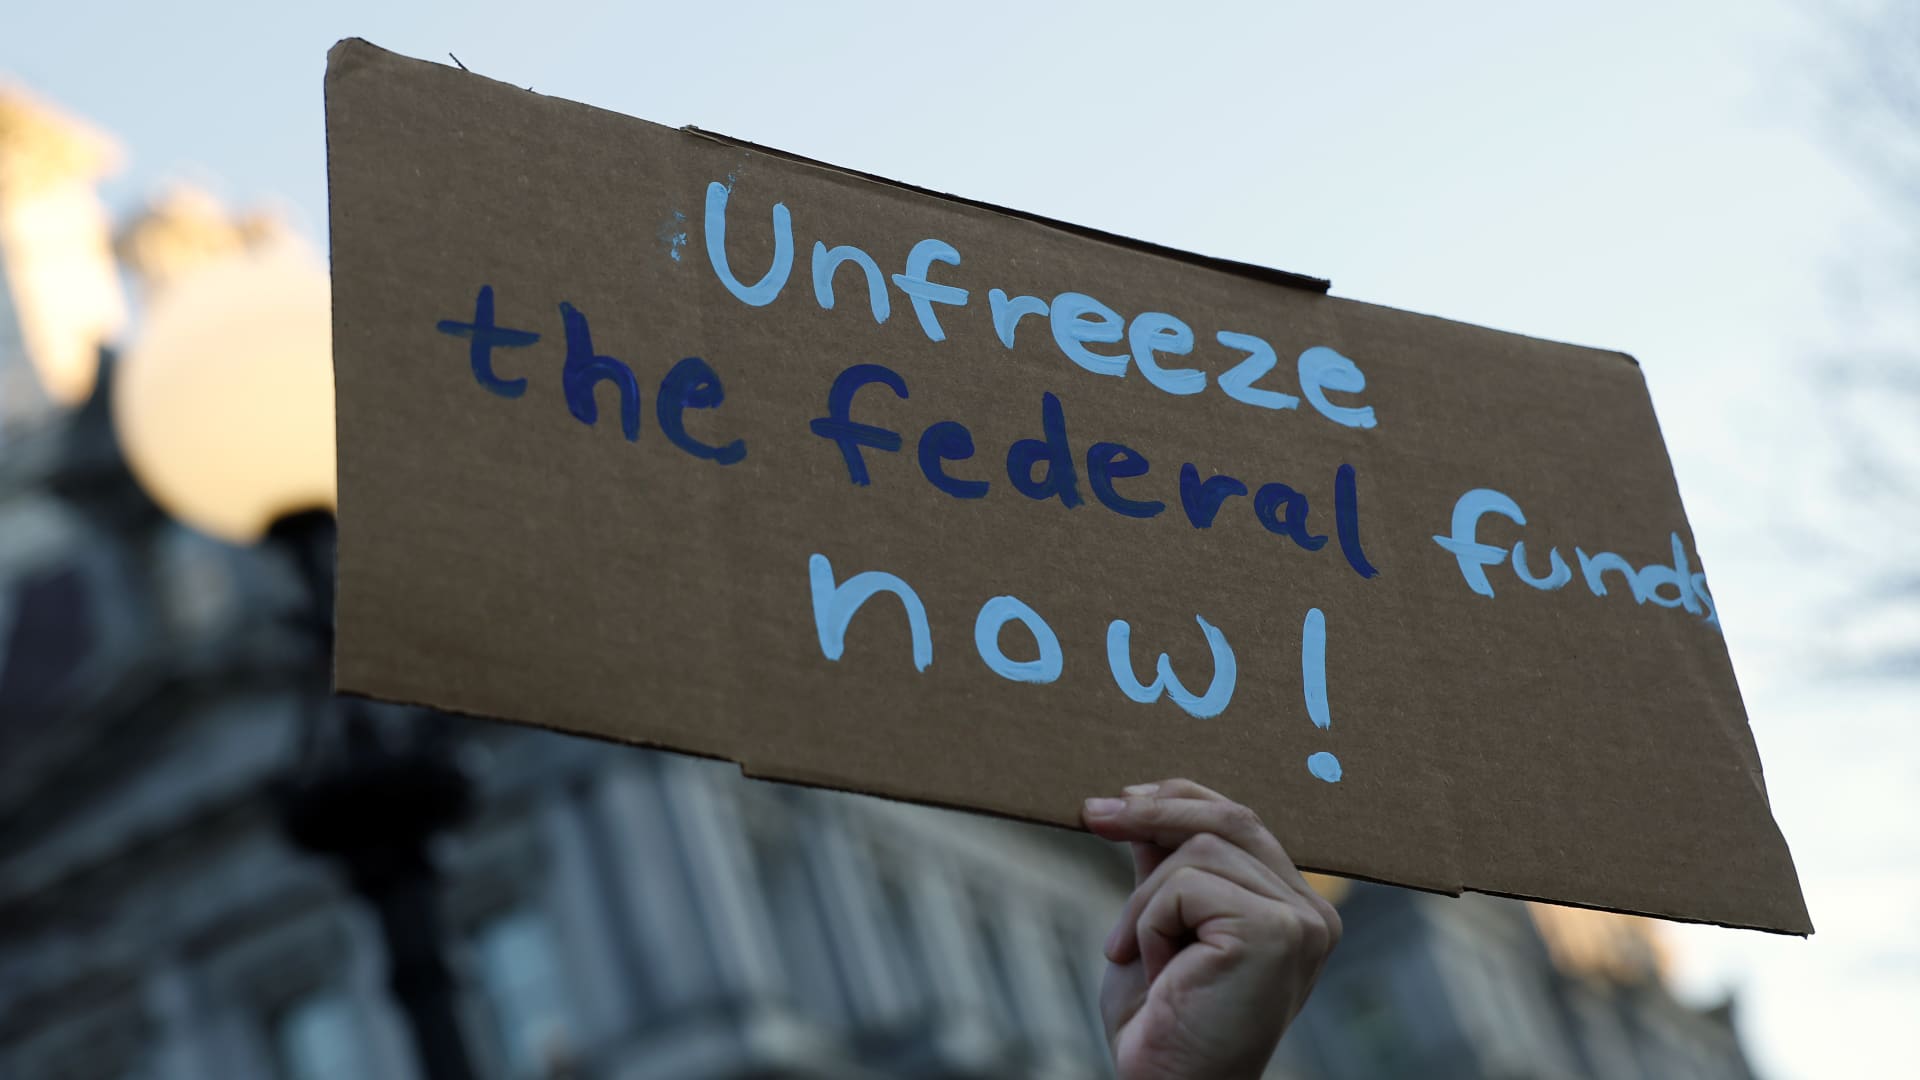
502,557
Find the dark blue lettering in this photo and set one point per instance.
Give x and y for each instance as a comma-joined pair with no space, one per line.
1346,519
1292,522
585,370
1052,449
1202,498
693,385
1107,462
851,436
949,440
484,337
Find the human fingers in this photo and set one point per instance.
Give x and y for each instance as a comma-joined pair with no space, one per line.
1178,787
1197,905
1182,908
1146,857
1204,852
1170,821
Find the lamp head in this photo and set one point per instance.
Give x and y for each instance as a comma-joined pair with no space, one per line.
224,403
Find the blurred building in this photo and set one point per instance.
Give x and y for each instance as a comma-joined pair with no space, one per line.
59,292
613,912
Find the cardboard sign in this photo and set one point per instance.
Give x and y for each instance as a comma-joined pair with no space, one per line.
660,437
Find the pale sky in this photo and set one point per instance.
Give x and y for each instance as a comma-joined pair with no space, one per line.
1641,175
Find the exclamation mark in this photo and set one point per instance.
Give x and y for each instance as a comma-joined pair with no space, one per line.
1313,677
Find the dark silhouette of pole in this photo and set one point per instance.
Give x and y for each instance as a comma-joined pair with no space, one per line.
372,796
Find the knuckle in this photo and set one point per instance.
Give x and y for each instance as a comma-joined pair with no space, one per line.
1319,925
1185,879
1281,923
1328,913
1207,846
1142,924
1242,817
1186,876
1316,934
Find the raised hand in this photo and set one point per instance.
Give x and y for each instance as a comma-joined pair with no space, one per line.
1220,943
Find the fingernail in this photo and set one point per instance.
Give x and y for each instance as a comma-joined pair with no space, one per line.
1142,789
1113,939
1105,807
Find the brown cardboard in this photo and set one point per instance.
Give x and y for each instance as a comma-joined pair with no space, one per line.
501,557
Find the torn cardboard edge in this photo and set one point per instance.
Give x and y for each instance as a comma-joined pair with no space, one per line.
1235,267
1254,271
822,781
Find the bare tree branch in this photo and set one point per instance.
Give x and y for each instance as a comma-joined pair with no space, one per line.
1871,392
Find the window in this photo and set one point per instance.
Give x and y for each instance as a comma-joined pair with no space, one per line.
525,993
908,945
993,946
799,925
47,633
317,1037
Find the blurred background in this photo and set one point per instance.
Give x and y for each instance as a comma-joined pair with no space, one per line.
210,869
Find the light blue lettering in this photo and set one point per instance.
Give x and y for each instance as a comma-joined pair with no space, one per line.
923,294
1680,576
1212,703
1557,573
834,606
762,292
1009,310
1239,379
1322,369
1158,332
1595,567
1474,557
995,614
1313,667
1325,766
1313,682
1077,319
827,260
1699,583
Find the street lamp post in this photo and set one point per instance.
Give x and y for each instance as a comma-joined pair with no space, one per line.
224,409
373,797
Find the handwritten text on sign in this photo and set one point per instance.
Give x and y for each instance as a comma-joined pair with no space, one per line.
1048,468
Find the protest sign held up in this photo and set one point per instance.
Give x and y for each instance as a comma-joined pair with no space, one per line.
657,436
